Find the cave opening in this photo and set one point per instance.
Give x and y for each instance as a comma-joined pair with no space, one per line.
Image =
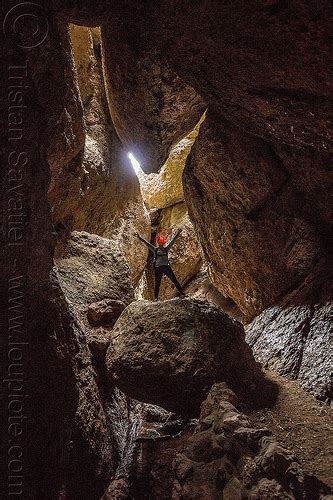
213,123
135,164
165,195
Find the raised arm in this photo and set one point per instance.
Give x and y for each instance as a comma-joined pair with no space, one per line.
149,245
173,239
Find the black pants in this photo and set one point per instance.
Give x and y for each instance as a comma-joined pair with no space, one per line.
159,271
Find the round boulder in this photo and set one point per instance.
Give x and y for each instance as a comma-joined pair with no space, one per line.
170,353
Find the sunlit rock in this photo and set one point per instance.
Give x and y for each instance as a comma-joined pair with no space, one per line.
165,188
109,202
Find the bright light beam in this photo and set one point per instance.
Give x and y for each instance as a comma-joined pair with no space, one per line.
136,165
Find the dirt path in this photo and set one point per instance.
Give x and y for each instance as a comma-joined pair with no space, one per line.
302,424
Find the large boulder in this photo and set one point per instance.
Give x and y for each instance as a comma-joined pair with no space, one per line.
92,269
170,353
243,197
151,107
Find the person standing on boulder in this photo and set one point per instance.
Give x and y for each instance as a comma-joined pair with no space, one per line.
161,261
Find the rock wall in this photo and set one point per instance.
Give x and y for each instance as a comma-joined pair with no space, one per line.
295,337
56,399
102,195
170,353
151,107
227,457
244,199
92,269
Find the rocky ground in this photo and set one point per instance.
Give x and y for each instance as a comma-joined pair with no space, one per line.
303,424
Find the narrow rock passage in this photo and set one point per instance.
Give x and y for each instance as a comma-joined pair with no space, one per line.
303,424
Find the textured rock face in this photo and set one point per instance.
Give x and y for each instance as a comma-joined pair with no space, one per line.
295,338
279,89
65,150
279,100
201,287
244,197
59,414
105,312
165,188
91,270
267,87
134,76
228,458
101,194
170,353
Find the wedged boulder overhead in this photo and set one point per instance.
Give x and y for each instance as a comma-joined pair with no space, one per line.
267,65
91,270
151,107
170,353
243,197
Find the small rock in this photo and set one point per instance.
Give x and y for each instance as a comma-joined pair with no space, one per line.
105,312
183,468
251,437
233,490
269,488
275,460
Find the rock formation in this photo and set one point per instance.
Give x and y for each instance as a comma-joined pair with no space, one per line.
92,269
151,107
96,281
262,242
295,337
258,187
170,353
165,188
227,457
56,398
101,194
